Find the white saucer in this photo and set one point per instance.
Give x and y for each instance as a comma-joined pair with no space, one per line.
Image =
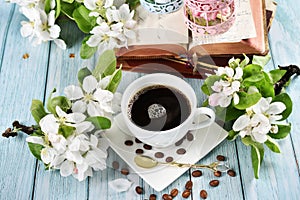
204,140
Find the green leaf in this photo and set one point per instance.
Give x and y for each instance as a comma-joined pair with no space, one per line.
35,149
133,4
276,75
273,145
232,135
68,1
84,22
247,100
209,81
68,9
82,73
63,102
254,78
57,9
65,130
47,7
245,61
99,122
37,110
106,64
283,131
114,81
251,70
257,154
229,113
261,60
285,98
86,51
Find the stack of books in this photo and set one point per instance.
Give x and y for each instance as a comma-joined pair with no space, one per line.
164,40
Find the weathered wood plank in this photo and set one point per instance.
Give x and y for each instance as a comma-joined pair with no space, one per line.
21,81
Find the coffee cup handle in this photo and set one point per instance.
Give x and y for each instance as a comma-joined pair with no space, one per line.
203,111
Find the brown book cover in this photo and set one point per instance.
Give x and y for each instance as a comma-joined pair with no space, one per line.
149,58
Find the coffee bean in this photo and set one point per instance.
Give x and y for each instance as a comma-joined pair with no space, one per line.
139,151
159,154
214,183
186,193
181,151
189,185
169,159
179,142
221,158
189,136
128,142
203,194
147,146
231,172
124,171
218,173
139,190
174,192
167,197
152,197
137,140
115,164
197,173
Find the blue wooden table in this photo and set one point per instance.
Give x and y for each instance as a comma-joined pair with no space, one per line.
47,67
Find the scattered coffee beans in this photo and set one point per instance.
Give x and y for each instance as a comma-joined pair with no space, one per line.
179,142
203,194
167,197
115,164
189,185
169,159
231,172
139,151
197,173
128,142
186,193
137,140
181,151
218,173
189,136
174,192
124,171
159,154
221,158
139,190
147,146
214,183
152,197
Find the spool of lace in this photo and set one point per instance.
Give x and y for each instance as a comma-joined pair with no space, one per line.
210,17
161,6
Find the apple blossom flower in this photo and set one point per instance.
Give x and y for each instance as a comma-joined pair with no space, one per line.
259,120
92,97
50,123
226,89
41,27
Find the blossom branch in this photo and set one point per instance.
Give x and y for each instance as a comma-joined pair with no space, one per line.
17,127
290,71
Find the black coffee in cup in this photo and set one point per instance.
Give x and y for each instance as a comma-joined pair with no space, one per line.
158,108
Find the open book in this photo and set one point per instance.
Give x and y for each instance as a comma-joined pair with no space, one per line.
162,36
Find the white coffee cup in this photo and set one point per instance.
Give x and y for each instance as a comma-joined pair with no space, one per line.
167,137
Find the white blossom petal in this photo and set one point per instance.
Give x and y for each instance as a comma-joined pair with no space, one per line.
66,168
89,84
60,43
241,123
238,73
120,185
258,137
79,106
35,140
73,92
103,95
47,155
49,125
276,108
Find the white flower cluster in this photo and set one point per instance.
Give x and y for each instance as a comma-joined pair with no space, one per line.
82,151
115,29
226,88
259,120
41,26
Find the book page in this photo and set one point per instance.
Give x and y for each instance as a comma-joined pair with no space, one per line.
153,28
242,28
